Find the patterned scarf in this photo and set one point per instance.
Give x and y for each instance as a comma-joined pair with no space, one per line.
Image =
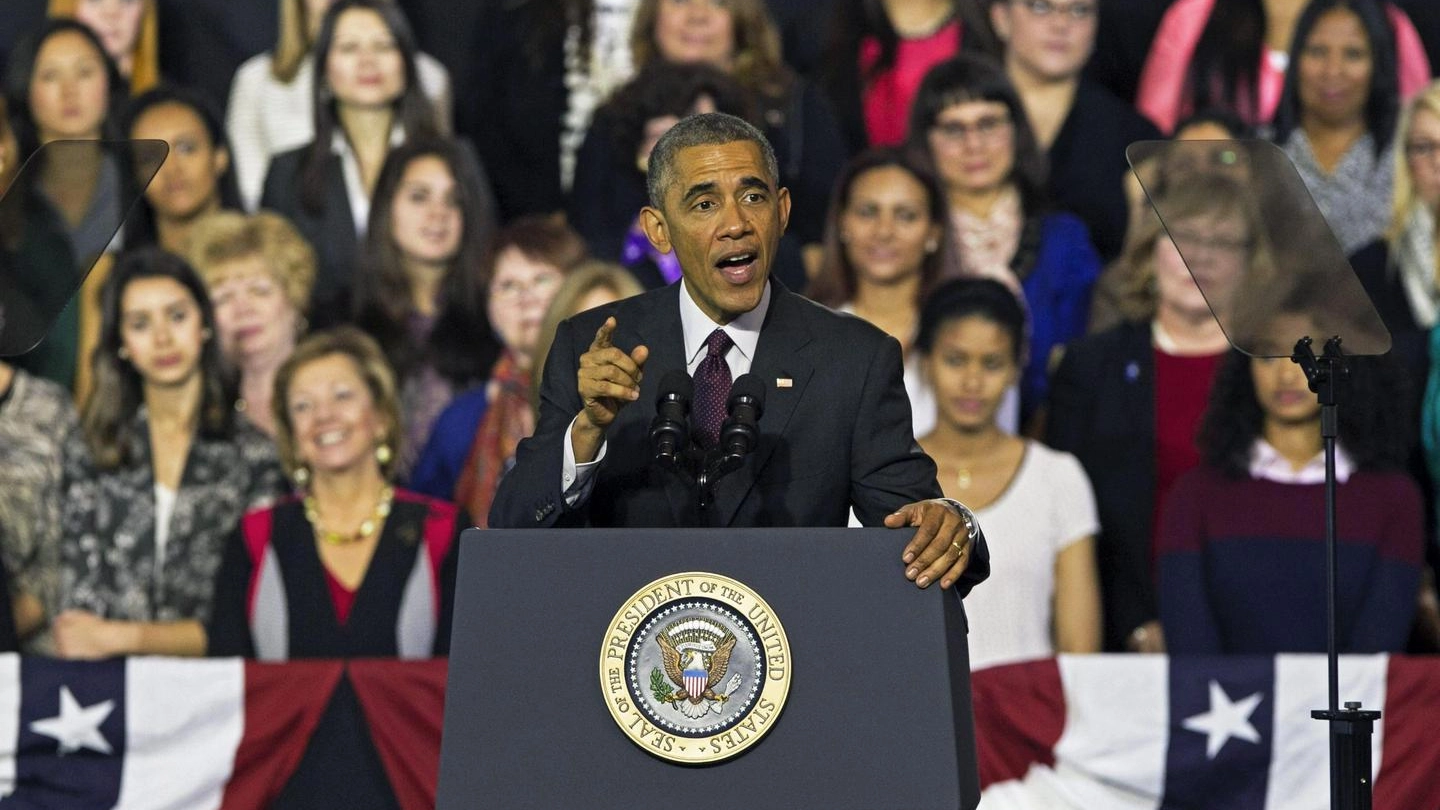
988,244
508,419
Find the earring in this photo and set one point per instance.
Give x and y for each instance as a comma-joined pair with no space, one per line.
382,453
932,246
300,475
206,334
123,353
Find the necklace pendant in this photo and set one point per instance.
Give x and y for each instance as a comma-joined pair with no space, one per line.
962,479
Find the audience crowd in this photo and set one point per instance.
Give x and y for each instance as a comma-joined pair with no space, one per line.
304,363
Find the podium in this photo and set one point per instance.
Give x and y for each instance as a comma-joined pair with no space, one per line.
878,709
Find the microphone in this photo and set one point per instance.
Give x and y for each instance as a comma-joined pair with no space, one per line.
670,430
745,406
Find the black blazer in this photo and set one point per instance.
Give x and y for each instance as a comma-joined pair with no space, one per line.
837,435
1088,165
513,104
1102,410
331,232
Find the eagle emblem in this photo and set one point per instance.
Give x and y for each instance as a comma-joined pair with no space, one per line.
696,656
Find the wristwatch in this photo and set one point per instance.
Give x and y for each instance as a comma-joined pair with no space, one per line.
972,526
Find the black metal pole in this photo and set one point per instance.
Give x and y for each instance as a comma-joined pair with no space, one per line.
1350,727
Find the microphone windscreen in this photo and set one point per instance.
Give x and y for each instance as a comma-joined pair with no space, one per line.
678,384
748,386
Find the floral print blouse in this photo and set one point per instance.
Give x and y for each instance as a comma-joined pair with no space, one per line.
35,417
109,558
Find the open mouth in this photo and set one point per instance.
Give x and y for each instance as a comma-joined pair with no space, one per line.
330,438
737,268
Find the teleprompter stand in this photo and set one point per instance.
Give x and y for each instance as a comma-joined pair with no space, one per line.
1350,727
1273,275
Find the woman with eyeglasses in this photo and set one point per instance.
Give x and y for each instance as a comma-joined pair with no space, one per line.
473,440
1127,401
1080,126
971,126
1234,54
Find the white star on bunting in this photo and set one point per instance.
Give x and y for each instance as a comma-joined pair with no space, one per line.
76,727
1225,719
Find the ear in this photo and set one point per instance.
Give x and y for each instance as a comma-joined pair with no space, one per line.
933,237
652,222
222,161
1000,19
784,201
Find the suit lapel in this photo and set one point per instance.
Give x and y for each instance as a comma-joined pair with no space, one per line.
785,372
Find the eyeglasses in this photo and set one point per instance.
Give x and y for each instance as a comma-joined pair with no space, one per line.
513,289
1192,239
989,128
1044,8
1422,150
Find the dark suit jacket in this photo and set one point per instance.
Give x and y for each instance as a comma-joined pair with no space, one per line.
837,436
1088,165
1102,410
331,232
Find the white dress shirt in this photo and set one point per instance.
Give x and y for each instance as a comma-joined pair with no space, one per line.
1266,464
578,479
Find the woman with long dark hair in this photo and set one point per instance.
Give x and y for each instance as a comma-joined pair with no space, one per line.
367,100
1234,54
887,245
1336,118
419,289
1240,555
61,86
969,125
159,473
197,177
271,105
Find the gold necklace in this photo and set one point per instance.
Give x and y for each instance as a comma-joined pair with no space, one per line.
367,526
962,479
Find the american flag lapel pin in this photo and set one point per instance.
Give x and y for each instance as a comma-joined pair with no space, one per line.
784,382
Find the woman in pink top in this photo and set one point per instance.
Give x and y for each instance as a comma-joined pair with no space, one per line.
1233,54
879,50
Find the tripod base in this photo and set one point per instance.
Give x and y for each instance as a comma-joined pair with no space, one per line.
1350,766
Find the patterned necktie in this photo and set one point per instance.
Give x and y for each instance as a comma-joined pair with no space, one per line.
712,386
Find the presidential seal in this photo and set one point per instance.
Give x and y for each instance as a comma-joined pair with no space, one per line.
695,668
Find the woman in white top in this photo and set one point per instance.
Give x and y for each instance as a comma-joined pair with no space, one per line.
366,103
1036,499
271,98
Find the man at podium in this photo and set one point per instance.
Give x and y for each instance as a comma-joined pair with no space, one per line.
834,431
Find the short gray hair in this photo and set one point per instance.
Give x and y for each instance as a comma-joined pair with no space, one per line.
704,129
